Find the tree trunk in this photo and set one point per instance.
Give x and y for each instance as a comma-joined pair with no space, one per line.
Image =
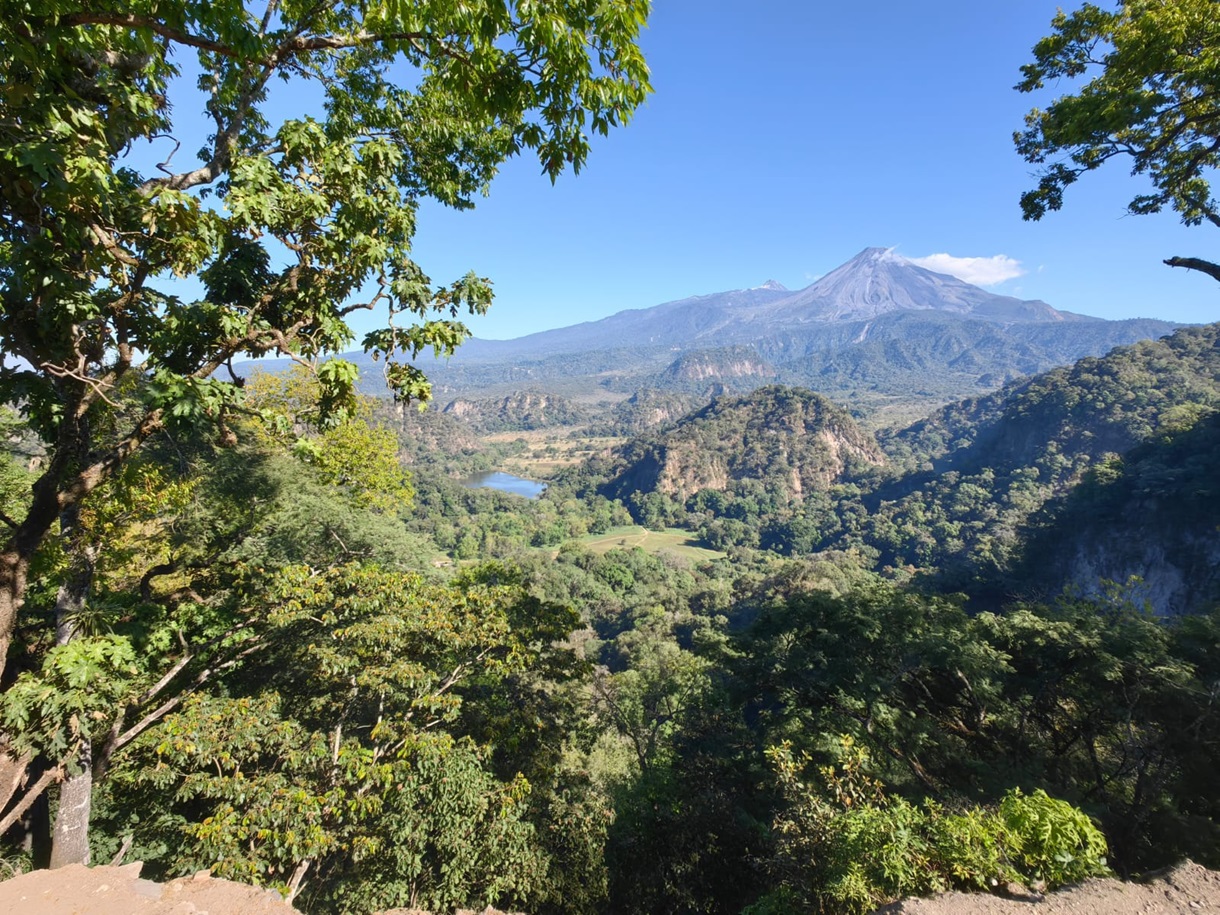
13,571
70,835
72,599
16,555
69,477
38,829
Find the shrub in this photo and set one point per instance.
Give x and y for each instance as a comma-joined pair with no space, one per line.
1051,840
850,847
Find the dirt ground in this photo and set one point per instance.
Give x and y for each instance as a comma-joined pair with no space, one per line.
79,890
1184,890
75,890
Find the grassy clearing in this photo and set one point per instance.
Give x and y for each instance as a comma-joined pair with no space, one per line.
672,539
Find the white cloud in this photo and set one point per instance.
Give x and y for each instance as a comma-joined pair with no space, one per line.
981,271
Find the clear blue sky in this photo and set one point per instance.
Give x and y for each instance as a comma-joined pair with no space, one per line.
786,135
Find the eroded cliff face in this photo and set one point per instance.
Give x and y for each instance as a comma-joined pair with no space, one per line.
684,469
1174,570
647,410
718,365
792,440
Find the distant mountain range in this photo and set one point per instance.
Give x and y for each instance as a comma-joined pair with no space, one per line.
874,284
879,329
879,323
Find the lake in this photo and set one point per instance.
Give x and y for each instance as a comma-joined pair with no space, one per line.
505,482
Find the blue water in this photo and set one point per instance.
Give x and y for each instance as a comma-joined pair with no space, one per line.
505,482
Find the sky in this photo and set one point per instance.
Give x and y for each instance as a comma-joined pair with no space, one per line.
782,138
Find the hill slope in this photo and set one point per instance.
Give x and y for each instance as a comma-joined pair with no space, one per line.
795,440
1105,469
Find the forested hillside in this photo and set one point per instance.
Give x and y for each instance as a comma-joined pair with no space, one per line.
972,494
786,440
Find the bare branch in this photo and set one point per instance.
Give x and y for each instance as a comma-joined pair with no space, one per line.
1195,263
156,571
78,374
222,150
107,241
164,166
123,850
268,14
304,43
298,880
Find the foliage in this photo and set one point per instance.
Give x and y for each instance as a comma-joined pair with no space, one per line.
337,194
290,224
1052,841
350,453
900,673
71,699
1091,700
851,847
1150,66
366,781
15,479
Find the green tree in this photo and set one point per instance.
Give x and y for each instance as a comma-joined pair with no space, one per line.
291,226
1150,98
338,748
850,847
145,569
354,454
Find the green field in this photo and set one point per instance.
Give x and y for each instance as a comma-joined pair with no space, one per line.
672,539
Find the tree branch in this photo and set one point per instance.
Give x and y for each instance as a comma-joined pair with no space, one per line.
170,704
298,879
53,774
97,473
132,21
12,770
1195,263
344,42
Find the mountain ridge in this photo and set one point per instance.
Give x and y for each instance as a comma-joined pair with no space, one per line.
873,283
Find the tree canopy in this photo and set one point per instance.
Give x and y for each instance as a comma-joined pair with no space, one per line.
1149,97
289,223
